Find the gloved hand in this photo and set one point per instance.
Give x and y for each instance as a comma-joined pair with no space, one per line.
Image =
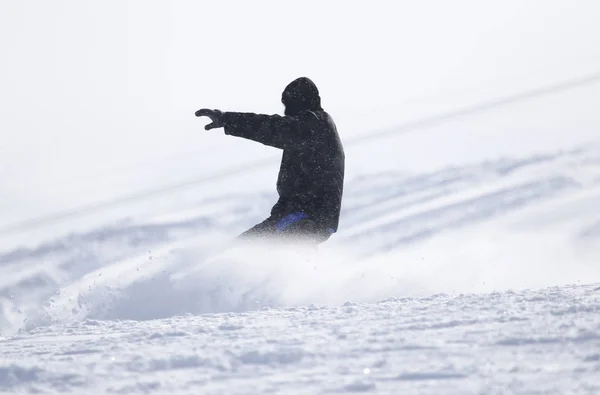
215,116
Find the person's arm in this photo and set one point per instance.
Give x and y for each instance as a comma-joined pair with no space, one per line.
272,130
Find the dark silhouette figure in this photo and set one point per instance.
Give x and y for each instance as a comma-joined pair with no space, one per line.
311,176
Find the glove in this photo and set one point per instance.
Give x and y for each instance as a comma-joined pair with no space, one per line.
215,116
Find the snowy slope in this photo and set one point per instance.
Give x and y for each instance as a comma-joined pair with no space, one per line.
140,306
467,260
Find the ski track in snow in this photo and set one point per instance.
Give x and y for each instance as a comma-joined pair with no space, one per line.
508,249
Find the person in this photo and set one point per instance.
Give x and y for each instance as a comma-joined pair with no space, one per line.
311,175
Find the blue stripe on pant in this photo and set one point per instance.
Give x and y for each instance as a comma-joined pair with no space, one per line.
289,219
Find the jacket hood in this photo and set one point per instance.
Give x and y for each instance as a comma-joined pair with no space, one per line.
301,95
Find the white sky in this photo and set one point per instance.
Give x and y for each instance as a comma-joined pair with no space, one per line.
97,97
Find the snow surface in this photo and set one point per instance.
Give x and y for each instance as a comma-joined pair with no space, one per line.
528,342
475,278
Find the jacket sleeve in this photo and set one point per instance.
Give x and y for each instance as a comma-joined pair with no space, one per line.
272,130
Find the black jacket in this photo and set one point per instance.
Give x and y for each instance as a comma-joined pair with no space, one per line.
311,177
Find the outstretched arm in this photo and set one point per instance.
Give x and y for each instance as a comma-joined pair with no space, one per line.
272,130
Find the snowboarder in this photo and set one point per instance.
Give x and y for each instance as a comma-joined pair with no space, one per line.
311,175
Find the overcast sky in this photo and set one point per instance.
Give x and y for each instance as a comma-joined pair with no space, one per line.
97,97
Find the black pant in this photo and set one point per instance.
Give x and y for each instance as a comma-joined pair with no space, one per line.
305,230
